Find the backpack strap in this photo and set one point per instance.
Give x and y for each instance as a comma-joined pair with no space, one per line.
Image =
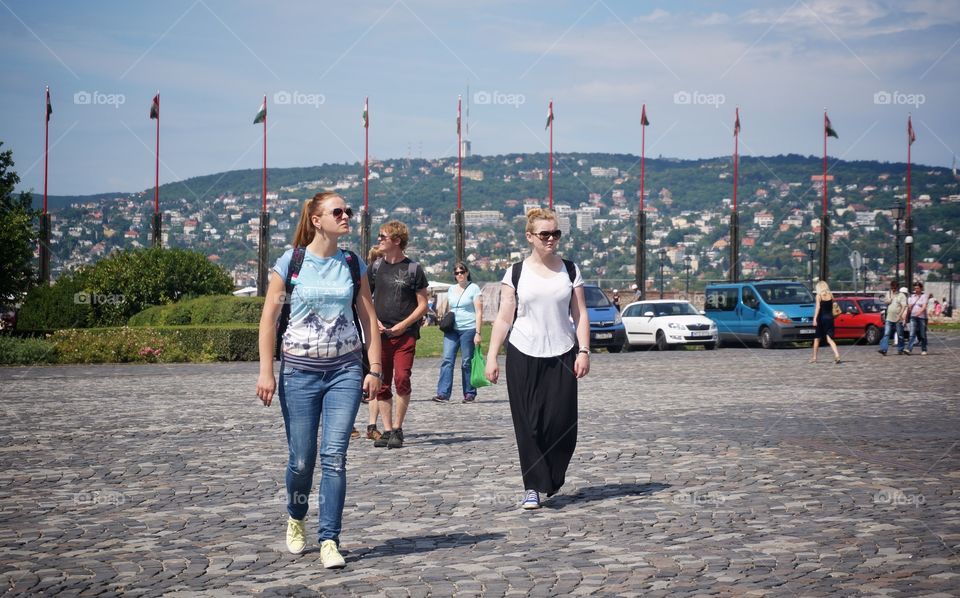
353,262
296,262
517,268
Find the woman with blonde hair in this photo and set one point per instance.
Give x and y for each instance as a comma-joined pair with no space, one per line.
823,320
321,364
542,307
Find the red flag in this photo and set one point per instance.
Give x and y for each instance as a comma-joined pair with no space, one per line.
49,107
828,127
736,123
155,107
643,116
911,136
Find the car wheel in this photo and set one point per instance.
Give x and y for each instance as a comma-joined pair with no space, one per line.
766,338
710,346
662,341
614,348
873,335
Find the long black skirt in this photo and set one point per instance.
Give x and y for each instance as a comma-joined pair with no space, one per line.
543,403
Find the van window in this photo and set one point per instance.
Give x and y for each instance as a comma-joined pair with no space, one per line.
750,298
595,297
785,293
721,299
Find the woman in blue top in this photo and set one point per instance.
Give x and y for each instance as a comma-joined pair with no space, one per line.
321,367
465,301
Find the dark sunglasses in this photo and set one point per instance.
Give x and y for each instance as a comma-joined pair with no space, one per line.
547,234
383,237
459,271
338,212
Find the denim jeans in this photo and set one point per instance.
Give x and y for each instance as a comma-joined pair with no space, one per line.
919,332
888,329
310,400
452,341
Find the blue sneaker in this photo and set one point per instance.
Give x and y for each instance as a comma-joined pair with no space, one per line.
531,500
441,399
470,397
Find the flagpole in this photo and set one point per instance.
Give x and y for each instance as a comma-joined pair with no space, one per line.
824,218
734,272
908,247
45,217
458,217
157,221
551,154
641,269
263,250
365,214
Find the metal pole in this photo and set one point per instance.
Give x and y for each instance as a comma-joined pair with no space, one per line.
263,253
642,253
662,253
908,252
897,265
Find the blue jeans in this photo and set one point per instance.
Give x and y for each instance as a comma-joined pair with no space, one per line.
919,331
888,329
452,341
309,399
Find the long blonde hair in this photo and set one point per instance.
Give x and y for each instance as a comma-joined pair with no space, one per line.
823,290
311,207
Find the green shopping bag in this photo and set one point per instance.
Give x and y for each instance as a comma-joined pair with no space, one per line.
478,366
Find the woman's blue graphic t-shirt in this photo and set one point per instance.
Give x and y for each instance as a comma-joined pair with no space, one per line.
321,334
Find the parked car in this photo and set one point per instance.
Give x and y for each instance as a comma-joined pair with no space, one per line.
606,327
667,324
860,318
771,312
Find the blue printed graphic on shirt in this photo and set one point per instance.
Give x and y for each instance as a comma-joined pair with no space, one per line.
321,315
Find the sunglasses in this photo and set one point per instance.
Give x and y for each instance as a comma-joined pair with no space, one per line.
338,212
546,235
383,237
459,271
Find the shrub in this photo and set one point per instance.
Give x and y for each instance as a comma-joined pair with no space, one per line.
62,305
26,351
210,310
157,344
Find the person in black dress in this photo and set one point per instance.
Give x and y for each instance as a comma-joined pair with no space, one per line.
823,320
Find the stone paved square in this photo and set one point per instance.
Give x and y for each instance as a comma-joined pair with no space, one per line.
737,472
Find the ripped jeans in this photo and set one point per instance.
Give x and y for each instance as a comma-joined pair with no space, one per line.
309,401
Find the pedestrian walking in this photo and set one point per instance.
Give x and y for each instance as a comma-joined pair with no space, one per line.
373,410
400,296
542,307
823,320
321,377
917,305
893,319
466,303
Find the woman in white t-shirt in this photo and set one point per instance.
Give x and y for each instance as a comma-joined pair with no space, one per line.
465,301
548,351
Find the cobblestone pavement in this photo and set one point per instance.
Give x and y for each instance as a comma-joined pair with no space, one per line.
733,472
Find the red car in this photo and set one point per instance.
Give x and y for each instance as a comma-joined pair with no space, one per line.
860,318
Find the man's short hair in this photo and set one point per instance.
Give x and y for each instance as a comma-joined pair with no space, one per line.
396,230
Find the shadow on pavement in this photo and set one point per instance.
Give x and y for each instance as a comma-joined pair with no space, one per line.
457,440
604,492
418,544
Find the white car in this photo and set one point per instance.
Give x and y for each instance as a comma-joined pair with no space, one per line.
667,323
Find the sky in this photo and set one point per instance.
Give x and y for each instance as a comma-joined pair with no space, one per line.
870,63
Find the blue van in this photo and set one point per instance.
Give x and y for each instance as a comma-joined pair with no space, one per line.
606,327
771,312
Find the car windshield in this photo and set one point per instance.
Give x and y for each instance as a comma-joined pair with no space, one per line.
871,306
679,308
784,293
595,297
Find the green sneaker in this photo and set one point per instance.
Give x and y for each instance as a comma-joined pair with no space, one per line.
330,556
296,536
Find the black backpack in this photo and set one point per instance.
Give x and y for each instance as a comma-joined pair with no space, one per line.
515,271
296,262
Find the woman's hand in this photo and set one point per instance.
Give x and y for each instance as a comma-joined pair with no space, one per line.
581,366
492,372
371,386
266,386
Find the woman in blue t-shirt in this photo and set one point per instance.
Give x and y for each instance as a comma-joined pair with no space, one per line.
321,366
465,301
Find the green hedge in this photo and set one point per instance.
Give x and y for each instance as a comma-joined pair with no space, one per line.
209,310
61,305
163,344
26,351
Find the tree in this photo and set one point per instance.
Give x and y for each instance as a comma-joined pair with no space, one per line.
17,235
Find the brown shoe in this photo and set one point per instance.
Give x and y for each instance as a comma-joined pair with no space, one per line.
373,433
355,433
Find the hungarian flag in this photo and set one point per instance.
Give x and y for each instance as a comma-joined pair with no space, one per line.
549,116
911,136
643,116
49,107
261,113
366,115
155,107
459,99
736,124
828,129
